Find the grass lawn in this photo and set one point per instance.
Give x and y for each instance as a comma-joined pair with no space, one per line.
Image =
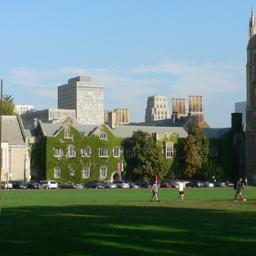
125,222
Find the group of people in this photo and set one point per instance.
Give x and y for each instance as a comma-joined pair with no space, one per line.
238,186
154,191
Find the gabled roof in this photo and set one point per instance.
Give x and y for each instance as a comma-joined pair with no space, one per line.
11,130
215,133
126,131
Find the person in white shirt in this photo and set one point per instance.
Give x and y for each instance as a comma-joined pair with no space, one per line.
181,190
154,191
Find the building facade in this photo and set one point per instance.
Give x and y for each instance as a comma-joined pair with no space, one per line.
250,130
15,159
118,116
178,107
157,108
85,97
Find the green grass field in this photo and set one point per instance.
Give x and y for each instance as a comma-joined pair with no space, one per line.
125,222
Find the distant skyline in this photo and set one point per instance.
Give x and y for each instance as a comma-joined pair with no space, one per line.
136,48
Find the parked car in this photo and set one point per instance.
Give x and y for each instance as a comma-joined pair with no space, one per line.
142,184
19,185
209,184
221,184
70,185
110,185
49,184
195,184
6,185
94,184
33,185
165,184
133,185
122,184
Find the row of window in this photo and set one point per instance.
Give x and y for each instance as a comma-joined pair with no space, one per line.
86,152
68,135
85,172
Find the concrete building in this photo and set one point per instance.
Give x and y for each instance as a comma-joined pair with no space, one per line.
46,115
21,109
250,130
240,107
195,104
15,160
118,116
85,97
178,107
157,108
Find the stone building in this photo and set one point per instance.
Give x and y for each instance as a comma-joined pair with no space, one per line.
15,160
118,116
178,107
85,97
157,108
250,130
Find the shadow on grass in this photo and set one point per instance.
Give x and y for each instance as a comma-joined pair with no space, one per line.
125,230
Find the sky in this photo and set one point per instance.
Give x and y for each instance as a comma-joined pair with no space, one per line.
135,48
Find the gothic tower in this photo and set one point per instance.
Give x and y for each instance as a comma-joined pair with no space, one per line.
250,131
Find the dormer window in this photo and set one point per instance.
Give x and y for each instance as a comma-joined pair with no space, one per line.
103,135
68,134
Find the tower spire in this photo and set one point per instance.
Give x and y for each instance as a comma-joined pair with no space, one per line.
252,24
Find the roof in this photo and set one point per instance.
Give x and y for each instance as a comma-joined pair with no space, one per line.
121,131
126,131
11,130
215,133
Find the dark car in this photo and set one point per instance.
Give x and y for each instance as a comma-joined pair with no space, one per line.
19,185
142,184
33,185
195,184
94,184
70,185
165,184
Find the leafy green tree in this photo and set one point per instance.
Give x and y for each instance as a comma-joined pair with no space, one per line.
195,152
148,160
7,105
209,170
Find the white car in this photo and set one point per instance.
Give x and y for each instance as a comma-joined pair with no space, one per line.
49,184
209,184
122,184
6,185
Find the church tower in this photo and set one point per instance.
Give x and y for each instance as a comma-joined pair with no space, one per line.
250,130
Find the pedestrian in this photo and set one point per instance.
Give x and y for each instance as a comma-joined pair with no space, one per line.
154,190
239,186
181,190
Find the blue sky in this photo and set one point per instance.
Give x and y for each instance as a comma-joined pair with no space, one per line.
136,48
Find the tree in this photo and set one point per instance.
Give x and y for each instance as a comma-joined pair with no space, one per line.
195,152
148,160
7,105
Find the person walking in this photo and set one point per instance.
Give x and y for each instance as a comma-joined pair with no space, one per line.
239,186
154,191
181,190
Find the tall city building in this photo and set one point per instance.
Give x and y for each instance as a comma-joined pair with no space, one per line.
195,104
250,130
85,97
157,108
118,116
178,107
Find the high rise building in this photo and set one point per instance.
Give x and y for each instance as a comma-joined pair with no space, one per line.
118,116
195,104
250,130
157,108
178,107
85,97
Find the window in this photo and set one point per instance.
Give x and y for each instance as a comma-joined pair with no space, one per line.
67,133
116,152
103,135
57,172
103,152
72,172
71,151
86,172
130,153
169,150
57,152
86,152
103,172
